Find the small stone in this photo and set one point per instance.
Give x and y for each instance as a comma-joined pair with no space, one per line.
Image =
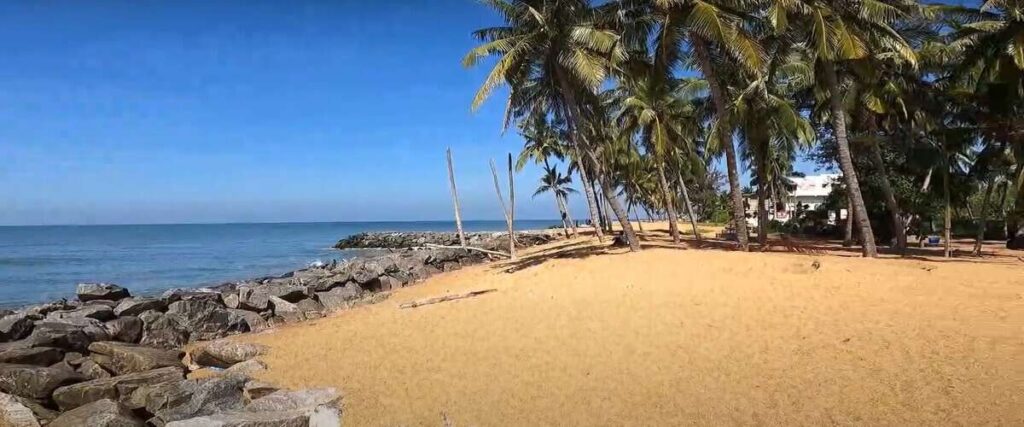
224,353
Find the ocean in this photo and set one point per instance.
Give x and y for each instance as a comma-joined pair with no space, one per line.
44,263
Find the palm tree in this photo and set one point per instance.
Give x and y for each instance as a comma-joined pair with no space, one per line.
648,107
554,182
553,56
713,30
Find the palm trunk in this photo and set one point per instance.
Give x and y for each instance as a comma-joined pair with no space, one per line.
568,215
848,229
561,212
984,216
1015,217
846,161
725,139
570,106
948,220
898,229
639,223
689,207
762,211
595,215
670,205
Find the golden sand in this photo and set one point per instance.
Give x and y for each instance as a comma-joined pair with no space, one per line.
580,335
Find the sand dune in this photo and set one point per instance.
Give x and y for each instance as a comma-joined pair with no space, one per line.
580,335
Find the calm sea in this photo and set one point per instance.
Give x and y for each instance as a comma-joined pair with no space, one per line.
43,263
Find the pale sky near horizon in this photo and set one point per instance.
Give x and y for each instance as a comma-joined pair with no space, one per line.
246,111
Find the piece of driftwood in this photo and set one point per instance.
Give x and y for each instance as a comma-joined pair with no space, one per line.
436,300
471,248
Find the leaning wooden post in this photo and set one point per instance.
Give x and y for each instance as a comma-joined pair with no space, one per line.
504,211
455,200
511,202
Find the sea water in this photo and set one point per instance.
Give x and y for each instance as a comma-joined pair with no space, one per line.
43,263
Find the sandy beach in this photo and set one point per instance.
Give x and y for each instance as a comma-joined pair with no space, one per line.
579,334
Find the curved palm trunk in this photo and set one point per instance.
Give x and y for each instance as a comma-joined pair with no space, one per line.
561,212
898,228
570,106
689,207
948,217
1014,223
670,205
725,135
568,215
639,223
846,161
848,229
595,215
983,218
762,181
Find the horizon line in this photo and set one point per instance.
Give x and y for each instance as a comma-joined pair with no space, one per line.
264,222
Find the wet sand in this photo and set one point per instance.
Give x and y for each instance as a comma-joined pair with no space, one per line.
583,335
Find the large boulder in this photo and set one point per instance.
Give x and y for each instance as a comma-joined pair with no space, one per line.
285,290
183,294
15,326
39,356
310,308
92,311
116,388
15,414
73,334
125,329
101,291
131,358
254,298
34,382
286,311
93,370
321,416
160,330
137,306
340,297
252,319
290,400
224,353
206,319
206,396
101,413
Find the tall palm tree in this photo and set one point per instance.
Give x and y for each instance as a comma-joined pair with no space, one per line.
838,31
553,56
557,184
648,107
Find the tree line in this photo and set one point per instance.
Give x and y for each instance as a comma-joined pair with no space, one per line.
919,105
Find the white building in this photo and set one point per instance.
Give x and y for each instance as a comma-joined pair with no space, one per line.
809,193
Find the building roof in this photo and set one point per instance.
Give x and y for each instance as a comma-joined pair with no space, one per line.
814,185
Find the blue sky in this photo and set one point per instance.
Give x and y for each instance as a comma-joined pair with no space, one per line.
239,111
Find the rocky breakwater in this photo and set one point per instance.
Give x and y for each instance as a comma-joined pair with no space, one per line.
107,359
495,241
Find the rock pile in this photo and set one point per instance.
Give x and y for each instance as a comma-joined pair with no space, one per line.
108,359
403,240
112,359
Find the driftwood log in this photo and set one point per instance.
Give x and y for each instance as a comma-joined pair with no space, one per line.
444,298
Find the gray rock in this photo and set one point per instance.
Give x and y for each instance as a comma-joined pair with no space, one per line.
93,370
131,358
74,358
184,294
136,306
34,382
93,311
323,416
310,308
286,291
157,397
224,353
104,361
40,311
256,389
15,326
230,300
285,310
253,320
159,330
14,414
388,283
125,329
206,397
290,400
39,356
115,388
93,329
206,319
247,368
253,298
42,413
339,298
98,291
101,413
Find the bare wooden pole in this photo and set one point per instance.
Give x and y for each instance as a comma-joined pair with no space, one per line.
511,204
504,210
455,200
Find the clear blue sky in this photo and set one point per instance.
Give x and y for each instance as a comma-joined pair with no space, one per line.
237,111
